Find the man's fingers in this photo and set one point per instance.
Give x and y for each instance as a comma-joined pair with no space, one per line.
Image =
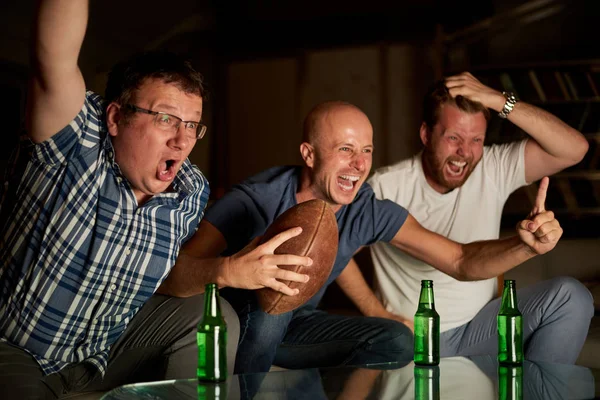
527,225
285,275
549,232
282,287
552,236
286,259
278,239
540,199
533,224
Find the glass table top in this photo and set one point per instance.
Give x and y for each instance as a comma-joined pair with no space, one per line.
477,377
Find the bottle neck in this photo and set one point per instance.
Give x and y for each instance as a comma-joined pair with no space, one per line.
509,298
211,302
426,298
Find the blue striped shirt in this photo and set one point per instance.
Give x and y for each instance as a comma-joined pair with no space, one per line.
78,257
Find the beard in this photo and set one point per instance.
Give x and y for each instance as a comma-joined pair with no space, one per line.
435,167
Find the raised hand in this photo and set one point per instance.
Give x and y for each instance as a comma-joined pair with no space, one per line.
256,266
468,86
540,231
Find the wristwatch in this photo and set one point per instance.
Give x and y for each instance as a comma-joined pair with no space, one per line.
511,100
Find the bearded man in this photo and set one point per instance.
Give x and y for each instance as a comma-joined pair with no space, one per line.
457,187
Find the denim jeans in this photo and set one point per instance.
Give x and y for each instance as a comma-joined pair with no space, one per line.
310,338
556,318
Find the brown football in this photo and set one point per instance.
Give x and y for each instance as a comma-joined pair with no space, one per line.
318,240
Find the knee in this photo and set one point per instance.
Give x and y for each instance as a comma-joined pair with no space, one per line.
577,297
263,331
397,339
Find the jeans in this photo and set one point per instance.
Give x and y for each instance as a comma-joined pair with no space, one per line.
310,338
556,318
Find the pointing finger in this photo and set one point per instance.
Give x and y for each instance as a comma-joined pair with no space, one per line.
540,199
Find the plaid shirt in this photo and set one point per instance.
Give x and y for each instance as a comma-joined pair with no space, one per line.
78,257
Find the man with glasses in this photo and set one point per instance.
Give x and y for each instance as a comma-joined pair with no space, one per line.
92,220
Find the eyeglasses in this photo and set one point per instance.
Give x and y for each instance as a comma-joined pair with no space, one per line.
171,123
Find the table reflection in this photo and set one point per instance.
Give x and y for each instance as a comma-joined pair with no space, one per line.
482,378
461,378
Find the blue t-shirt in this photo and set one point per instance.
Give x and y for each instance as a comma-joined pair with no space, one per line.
251,206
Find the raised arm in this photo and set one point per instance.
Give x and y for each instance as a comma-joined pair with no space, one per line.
57,89
555,146
253,267
538,234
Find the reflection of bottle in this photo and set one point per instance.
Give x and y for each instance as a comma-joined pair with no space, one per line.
212,391
510,327
212,339
510,382
427,383
427,328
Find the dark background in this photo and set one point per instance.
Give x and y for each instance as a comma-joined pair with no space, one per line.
244,49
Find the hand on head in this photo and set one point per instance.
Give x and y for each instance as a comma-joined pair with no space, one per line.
540,231
256,266
468,86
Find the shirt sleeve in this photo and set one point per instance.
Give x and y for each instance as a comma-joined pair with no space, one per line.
373,220
82,133
505,166
239,219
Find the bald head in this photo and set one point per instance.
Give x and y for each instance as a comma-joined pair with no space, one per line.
337,153
329,114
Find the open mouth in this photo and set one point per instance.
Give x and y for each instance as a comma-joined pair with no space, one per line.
166,170
456,168
347,182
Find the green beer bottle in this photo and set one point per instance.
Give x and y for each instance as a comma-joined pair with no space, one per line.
212,339
427,383
510,382
427,328
510,327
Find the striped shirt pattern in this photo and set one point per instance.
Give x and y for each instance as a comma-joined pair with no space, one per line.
78,257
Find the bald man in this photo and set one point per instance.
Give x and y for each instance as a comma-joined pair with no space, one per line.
337,151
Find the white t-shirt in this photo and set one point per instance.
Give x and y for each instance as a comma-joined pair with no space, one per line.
469,213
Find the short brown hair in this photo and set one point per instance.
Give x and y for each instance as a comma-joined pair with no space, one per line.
438,96
126,77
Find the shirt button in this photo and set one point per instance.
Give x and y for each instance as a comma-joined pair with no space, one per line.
127,252
113,287
110,154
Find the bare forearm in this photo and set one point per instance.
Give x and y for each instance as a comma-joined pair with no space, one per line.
57,89
553,135
190,275
353,284
490,258
60,30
